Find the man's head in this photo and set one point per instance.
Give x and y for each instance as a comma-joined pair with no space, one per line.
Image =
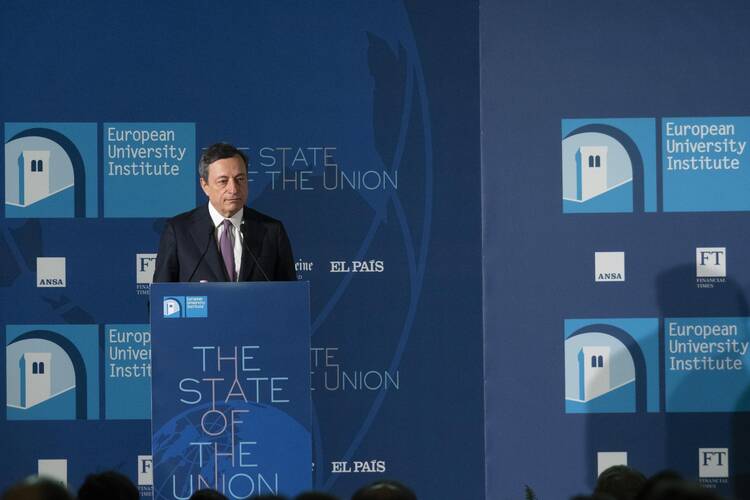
223,177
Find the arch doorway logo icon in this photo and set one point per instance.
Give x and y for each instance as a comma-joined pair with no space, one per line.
611,365
174,307
191,306
609,165
52,372
50,170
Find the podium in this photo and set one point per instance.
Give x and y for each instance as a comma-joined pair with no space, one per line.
231,406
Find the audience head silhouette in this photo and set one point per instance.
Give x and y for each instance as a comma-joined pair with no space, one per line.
620,482
110,485
315,495
207,494
36,488
384,490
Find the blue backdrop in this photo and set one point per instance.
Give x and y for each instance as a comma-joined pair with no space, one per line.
361,124
562,83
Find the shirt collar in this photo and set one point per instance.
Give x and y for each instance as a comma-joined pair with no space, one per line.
218,219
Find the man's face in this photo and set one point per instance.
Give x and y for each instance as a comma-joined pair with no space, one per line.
227,185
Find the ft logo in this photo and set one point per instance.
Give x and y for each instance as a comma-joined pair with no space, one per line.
710,266
145,475
713,462
144,272
711,261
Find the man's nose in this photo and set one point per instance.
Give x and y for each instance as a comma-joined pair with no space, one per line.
232,186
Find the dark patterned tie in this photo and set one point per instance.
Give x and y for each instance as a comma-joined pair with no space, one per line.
227,249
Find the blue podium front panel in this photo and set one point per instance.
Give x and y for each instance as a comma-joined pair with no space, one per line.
231,388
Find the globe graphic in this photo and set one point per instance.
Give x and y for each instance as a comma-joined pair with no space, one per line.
264,459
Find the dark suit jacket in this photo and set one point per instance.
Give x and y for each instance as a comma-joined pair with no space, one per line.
190,235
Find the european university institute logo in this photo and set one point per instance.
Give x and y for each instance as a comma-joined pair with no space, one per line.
609,165
191,306
50,170
611,365
173,307
52,372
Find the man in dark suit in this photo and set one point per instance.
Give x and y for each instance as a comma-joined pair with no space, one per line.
224,240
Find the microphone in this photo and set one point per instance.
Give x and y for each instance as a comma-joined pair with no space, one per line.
247,247
205,251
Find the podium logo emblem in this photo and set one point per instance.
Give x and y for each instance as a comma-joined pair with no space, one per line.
190,306
172,307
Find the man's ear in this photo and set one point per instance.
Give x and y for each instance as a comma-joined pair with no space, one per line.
204,185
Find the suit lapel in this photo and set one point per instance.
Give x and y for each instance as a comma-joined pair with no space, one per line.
253,233
202,231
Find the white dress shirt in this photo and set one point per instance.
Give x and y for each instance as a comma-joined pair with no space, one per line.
236,221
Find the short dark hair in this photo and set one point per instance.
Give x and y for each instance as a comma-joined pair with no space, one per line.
218,151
